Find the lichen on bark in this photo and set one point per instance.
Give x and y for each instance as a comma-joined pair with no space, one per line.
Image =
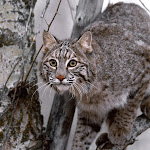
20,118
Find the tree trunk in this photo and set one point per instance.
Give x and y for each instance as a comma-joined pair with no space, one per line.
86,12
20,118
60,121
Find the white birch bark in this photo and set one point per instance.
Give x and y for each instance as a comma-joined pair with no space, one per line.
20,119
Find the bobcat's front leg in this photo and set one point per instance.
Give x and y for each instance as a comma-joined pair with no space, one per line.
120,121
119,130
85,133
145,106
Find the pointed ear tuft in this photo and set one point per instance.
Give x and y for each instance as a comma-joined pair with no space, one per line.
48,40
86,42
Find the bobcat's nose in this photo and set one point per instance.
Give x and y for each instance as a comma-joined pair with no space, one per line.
60,77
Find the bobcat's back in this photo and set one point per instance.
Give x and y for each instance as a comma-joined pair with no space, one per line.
130,16
121,43
123,37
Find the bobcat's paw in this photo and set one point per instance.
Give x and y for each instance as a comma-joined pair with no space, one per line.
102,139
119,135
145,107
103,142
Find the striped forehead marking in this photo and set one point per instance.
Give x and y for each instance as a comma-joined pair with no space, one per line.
64,51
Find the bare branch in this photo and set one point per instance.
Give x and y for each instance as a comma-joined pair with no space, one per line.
27,24
30,49
32,64
144,6
24,43
10,75
42,45
54,15
44,10
45,21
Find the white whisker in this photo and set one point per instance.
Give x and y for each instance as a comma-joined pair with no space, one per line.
30,82
81,86
72,93
83,90
36,84
80,93
50,91
45,89
73,90
93,85
38,89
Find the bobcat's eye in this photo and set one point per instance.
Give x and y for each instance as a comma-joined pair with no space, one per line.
53,63
72,63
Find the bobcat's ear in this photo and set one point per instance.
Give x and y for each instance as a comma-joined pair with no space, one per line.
48,40
86,42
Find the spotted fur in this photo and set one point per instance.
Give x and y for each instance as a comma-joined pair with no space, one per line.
111,75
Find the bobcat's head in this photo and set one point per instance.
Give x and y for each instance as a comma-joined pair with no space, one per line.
68,65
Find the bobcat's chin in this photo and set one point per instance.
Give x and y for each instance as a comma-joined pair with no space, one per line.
61,88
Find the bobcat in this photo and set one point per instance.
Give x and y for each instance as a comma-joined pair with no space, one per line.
107,69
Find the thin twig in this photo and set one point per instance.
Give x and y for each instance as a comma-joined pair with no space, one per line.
45,21
27,24
42,45
10,75
24,43
32,64
144,6
54,15
30,49
44,11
